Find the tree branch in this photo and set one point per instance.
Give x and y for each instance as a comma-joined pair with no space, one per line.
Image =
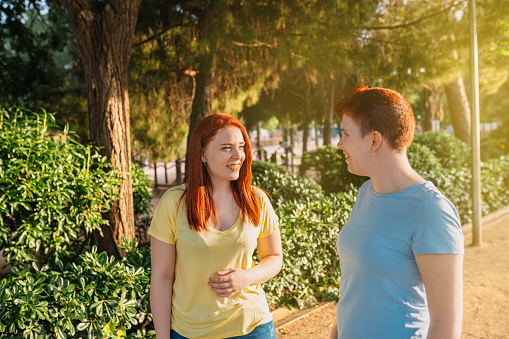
297,94
157,35
257,44
431,14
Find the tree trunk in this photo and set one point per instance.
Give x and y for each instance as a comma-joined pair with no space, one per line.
459,108
428,108
259,140
317,137
305,135
328,111
307,120
104,35
204,95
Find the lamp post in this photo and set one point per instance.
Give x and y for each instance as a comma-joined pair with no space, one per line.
476,162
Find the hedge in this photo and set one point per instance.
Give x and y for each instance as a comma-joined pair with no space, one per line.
53,189
93,295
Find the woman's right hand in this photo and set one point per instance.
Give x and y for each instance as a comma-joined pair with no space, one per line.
334,331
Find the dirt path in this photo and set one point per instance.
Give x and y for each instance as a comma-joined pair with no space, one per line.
486,291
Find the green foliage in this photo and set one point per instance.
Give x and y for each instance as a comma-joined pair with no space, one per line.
423,161
142,190
438,157
451,151
283,185
456,185
310,263
142,200
495,184
309,223
328,164
39,65
492,148
97,296
53,189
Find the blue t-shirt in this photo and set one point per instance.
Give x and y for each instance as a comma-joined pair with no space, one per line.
382,292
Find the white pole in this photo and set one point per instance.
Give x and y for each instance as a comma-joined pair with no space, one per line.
476,159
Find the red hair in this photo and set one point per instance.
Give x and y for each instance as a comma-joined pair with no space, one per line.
380,109
200,204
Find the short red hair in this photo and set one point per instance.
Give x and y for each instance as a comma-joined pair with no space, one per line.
380,109
200,204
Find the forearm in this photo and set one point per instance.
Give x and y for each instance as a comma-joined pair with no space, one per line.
444,329
267,268
160,304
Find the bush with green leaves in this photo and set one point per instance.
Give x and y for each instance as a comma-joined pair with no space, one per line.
283,185
309,231
451,151
495,184
328,164
424,162
142,199
96,297
456,185
142,190
492,148
53,189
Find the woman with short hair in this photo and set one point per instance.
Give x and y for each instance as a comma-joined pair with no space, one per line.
401,250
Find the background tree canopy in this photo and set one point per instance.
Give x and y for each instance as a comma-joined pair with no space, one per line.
291,58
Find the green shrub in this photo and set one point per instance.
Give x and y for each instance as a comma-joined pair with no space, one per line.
456,184
451,151
283,185
310,263
53,189
142,190
97,297
424,162
492,148
328,164
142,200
495,184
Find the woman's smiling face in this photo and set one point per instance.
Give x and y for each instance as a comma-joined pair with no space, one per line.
355,147
224,155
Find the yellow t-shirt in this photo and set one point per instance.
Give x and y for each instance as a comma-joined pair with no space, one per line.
197,311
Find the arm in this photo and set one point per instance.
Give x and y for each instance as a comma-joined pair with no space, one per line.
161,286
233,280
443,281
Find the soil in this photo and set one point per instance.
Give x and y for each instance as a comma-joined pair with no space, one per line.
485,290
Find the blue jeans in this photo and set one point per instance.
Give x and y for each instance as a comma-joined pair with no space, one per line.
265,331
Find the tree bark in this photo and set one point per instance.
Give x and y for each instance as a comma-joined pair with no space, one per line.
259,140
307,120
204,95
428,108
330,88
459,108
104,35
317,137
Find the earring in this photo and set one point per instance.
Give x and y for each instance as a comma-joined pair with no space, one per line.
372,152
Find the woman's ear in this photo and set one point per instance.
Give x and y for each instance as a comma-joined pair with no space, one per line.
376,140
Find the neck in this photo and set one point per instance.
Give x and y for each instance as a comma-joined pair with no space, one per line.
221,188
394,174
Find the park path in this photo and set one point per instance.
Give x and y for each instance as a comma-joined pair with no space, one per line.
485,289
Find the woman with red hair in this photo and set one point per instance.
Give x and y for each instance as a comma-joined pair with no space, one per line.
401,250
203,235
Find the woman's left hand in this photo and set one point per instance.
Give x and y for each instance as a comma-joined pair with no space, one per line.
229,282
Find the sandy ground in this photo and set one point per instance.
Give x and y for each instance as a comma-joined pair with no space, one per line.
486,291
